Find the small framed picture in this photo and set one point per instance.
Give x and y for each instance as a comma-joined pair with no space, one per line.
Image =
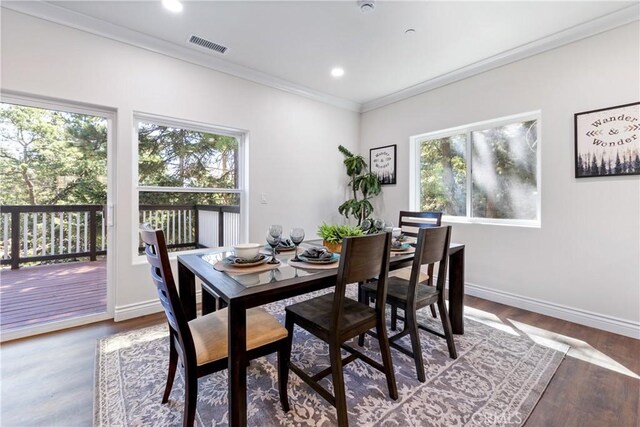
608,141
382,161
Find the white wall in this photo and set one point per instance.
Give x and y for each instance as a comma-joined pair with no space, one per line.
586,255
292,142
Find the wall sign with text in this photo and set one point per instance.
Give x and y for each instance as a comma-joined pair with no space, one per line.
608,141
382,161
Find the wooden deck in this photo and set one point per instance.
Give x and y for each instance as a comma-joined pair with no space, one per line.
32,296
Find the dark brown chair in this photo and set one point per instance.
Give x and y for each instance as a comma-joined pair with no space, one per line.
335,319
409,223
432,247
202,344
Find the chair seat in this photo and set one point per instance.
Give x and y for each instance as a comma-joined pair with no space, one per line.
210,333
317,312
405,273
397,289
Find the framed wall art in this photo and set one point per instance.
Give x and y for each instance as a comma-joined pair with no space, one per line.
382,161
608,141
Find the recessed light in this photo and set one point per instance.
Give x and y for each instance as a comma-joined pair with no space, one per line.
172,5
337,72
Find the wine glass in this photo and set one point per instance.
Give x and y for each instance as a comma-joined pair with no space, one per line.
297,236
274,236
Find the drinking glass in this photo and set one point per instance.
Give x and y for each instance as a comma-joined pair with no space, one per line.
297,236
274,236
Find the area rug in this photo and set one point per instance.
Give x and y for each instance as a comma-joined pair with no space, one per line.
497,379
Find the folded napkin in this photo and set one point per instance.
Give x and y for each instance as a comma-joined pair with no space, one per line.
285,243
235,260
318,253
396,244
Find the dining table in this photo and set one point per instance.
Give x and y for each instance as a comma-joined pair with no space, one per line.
240,292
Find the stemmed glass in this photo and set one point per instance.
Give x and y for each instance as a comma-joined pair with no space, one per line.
274,236
297,236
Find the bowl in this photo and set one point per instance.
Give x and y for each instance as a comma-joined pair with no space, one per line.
247,250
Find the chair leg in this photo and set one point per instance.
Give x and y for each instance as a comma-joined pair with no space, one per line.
338,384
412,323
433,311
364,299
284,356
173,363
446,326
190,398
394,317
385,352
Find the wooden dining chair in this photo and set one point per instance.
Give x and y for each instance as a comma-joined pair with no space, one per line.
410,222
334,318
202,343
432,247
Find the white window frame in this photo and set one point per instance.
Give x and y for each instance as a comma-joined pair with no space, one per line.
243,179
414,169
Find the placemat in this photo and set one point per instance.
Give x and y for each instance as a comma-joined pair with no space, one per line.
406,251
230,268
308,266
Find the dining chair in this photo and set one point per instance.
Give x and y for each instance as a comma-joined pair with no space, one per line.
202,343
432,247
410,222
335,319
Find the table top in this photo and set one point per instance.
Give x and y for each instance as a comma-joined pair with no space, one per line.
285,281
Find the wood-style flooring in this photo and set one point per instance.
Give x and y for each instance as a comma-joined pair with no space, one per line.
31,296
47,380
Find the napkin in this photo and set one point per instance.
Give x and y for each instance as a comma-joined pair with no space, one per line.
285,243
318,253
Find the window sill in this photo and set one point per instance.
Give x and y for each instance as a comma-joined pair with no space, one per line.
498,222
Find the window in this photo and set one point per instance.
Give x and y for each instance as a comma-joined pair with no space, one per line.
189,182
483,172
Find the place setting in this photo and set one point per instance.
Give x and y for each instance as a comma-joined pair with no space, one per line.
315,258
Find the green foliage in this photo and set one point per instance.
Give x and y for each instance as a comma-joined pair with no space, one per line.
364,186
51,157
335,233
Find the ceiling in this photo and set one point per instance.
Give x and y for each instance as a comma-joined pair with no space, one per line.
300,41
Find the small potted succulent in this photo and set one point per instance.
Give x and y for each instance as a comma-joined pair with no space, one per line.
332,235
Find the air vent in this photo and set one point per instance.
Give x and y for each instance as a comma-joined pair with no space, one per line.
199,41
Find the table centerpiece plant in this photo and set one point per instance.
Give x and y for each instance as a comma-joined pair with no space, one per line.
332,235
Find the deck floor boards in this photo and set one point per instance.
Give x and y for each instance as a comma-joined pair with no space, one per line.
32,296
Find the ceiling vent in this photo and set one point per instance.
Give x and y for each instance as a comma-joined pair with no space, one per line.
199,41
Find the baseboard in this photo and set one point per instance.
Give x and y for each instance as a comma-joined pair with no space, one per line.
138,309
582,317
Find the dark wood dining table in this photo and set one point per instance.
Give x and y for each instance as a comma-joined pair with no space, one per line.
241,292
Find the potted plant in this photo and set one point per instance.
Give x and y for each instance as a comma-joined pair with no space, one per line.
364,186
332,235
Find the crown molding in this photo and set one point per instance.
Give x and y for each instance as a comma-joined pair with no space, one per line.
69,18
561,38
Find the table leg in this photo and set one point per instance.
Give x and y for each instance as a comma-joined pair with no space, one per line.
187,290
237,364
456,291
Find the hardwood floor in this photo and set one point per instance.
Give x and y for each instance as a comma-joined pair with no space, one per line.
47,380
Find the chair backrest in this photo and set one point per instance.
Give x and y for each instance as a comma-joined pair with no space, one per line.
362,258
155,248
411,222
432,246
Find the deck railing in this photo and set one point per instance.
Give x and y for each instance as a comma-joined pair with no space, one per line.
56,232
33,233
193,226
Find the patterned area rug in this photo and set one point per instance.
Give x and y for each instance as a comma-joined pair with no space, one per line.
497,379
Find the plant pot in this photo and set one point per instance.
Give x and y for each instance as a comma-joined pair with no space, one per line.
333,247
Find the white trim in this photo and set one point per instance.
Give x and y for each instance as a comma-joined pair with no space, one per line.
69,18
583,317
53,326
144,308
587,29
